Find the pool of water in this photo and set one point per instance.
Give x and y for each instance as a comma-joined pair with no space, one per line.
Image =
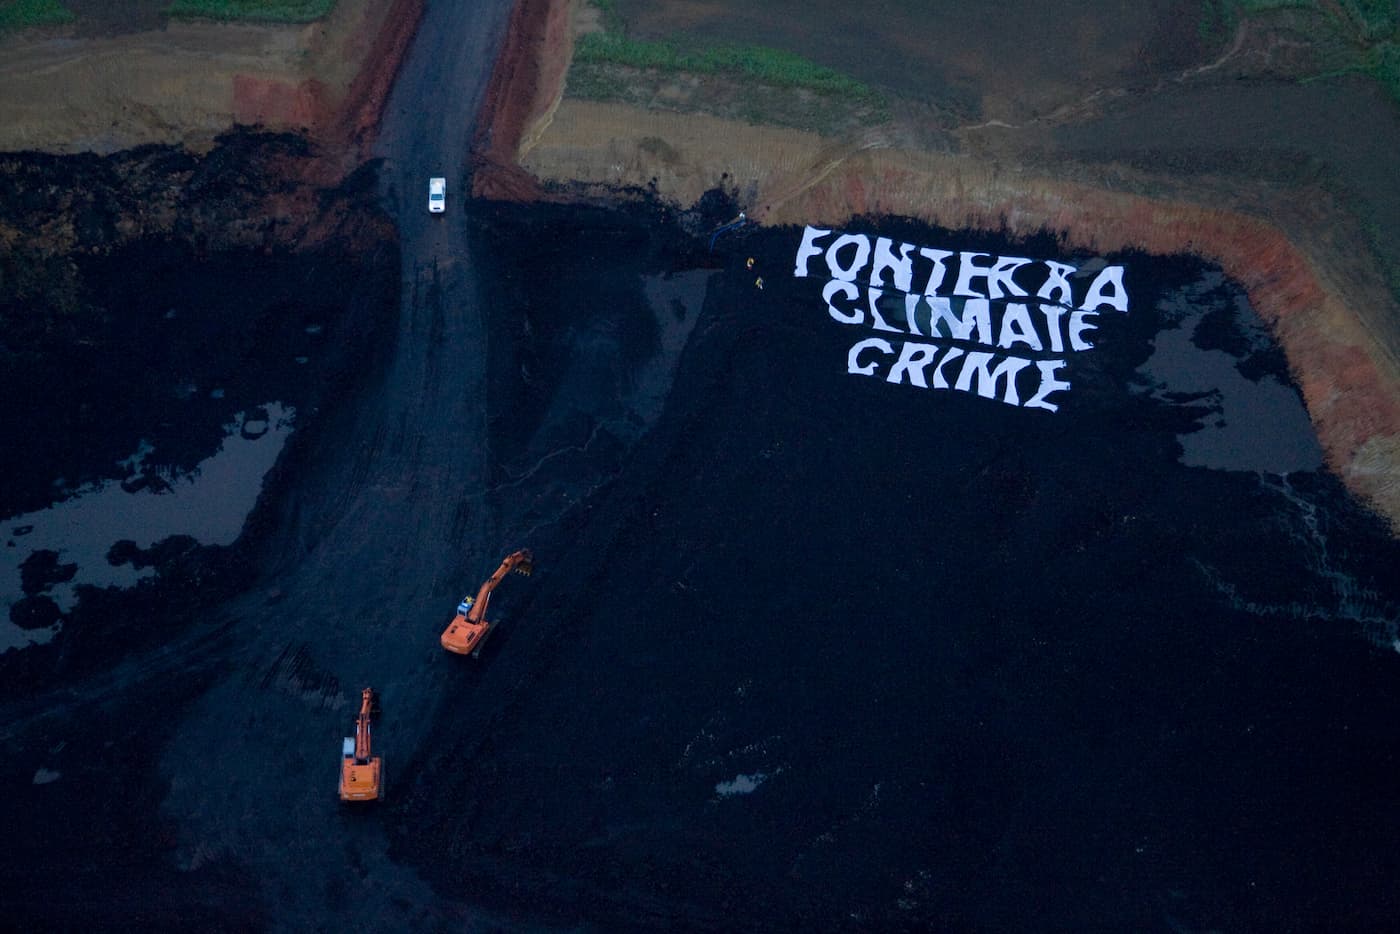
94,537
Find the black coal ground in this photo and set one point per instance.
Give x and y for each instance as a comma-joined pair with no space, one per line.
175,340
806,648
974,665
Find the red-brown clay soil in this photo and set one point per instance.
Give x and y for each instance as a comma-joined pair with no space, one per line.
364,101
271,102
343,125
526,82
346,120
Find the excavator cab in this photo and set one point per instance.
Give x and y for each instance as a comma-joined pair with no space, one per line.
361,773
464,636
468,630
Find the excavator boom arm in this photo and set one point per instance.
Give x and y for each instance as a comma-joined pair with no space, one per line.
362,740
469,628
361,772
520,560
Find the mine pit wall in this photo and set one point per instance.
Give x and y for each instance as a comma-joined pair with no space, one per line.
1329,322
526,86
358,50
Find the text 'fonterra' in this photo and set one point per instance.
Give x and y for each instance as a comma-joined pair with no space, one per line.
1005,322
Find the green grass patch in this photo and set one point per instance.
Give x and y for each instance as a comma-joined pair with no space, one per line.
601,62
1375,19
1219,18
1380,61
1217,22
1367,19
1263,6
268,11
21,14
596,84
1362,36
1383,64
761,63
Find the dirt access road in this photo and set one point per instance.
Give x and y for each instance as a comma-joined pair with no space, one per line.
372,555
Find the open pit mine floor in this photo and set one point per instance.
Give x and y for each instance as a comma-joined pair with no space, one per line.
820,633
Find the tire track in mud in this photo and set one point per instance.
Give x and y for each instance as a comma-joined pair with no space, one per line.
194,654
580,525
383,517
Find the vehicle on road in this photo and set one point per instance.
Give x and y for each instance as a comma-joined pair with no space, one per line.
469,628
437,195
361,773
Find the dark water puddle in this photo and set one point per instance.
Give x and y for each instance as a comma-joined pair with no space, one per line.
101,531
139,424
169,346
808,647
1219,359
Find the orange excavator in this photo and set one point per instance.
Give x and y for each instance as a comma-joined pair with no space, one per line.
361,776
469,628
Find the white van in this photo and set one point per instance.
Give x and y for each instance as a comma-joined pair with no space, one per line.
437,195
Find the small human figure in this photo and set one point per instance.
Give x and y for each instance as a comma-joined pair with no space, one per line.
758,282
749,264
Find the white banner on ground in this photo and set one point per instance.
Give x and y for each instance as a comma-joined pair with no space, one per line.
999,326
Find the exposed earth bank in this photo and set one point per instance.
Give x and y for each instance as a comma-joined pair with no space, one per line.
1302,258
124,80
